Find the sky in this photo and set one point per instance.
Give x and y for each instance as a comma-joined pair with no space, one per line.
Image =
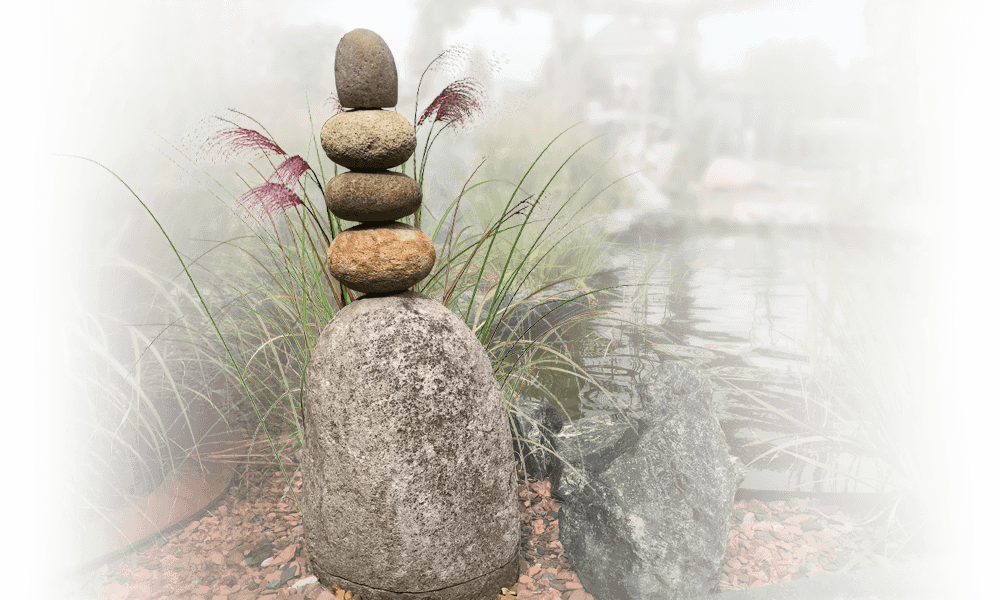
725,37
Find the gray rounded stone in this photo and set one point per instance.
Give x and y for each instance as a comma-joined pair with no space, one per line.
365,71
410,490
368,140
382,196
378,258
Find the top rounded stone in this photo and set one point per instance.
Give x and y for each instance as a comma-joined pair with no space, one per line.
365,71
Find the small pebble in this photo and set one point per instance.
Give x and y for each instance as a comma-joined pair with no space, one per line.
304,581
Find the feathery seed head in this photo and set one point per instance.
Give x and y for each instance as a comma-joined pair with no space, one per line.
463,97
270,198
261,206
452,60
238,145
455,103
216,140
337,106
458,57
289,171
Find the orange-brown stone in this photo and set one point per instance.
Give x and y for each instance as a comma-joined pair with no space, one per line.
374,258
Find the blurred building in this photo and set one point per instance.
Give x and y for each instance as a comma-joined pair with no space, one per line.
639,80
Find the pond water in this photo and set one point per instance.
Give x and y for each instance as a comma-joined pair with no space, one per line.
767,315
714,298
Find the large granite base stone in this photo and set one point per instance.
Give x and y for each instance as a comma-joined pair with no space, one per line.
410,488
486,586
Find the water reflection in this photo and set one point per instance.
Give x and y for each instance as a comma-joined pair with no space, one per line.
735,291
731,304
750,311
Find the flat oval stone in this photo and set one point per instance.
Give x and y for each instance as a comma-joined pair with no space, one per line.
368,140
365,71
382,196
376,258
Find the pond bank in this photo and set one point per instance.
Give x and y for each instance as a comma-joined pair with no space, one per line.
632,224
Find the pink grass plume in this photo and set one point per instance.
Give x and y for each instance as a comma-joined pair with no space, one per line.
262,205
455,103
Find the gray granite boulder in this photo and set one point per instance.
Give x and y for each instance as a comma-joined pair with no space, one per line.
646,506
534,425
410,490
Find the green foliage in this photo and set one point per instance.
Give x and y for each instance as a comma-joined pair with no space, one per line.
107,432
114,396
534,242
506,140
224,312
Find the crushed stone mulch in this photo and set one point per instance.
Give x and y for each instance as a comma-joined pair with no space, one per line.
249,546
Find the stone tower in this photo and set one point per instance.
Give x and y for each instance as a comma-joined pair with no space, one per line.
410,485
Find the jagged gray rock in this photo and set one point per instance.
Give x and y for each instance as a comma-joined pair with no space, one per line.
535,425
410,487
646,507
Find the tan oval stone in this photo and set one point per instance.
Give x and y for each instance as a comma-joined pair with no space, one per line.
381,196
368,140
365,71
376,258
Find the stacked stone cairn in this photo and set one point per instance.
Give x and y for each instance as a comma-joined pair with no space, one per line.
410,485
